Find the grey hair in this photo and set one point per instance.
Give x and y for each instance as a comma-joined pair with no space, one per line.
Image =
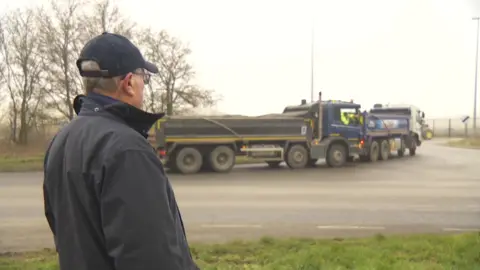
92,83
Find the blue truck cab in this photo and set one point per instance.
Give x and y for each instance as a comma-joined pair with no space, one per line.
337,129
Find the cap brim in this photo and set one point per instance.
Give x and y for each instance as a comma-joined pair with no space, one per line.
152,68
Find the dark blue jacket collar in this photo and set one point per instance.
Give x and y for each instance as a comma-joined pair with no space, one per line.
137,119
102,99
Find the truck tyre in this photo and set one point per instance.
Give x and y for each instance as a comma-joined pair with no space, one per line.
188,160
374,151
222,159
384,149
297,157
274,164
412,150
337,155
401,151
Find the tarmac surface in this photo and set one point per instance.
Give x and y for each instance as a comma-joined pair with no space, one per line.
437,191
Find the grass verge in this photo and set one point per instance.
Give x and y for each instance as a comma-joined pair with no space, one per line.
473,143
35,163
431,252
21,164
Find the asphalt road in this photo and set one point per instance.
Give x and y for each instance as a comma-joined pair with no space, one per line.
436,191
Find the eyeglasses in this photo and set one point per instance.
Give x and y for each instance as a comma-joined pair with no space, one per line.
146,76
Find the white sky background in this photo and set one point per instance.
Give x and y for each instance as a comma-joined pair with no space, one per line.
257,53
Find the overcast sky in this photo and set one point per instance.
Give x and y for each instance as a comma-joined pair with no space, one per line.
257,53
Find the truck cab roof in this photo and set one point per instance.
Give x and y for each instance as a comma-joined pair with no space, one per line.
313,107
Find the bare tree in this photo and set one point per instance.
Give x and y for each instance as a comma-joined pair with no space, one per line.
2,71
106,17
60,37
21,55
172,89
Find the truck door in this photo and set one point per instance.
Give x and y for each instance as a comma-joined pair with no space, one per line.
343,124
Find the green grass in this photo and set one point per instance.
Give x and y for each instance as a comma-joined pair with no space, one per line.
21,164
425,252
35,163
465,143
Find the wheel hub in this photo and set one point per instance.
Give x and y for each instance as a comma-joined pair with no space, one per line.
337,155
188,160
222,158
298,157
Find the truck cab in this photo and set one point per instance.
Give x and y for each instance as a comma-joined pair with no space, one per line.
338,124
334,114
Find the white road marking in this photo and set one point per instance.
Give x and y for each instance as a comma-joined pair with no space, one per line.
461,229
447,210
343,227
422,206
232,226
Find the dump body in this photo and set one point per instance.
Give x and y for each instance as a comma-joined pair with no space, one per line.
178,129
416,116
190,144
384,133
386,124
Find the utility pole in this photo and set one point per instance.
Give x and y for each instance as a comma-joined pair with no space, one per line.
476,79
312,60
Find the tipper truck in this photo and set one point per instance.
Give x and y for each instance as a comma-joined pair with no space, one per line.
299,136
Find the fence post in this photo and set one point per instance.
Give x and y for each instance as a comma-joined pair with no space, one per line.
449,127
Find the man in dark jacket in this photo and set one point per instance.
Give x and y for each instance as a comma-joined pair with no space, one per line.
107,199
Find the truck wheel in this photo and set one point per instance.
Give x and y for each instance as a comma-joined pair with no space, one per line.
384,150
188,160
412,151
374,151
401,151
222,159
336,155
274,164
413,146
297,157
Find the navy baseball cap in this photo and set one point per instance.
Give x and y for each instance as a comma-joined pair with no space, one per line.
116,56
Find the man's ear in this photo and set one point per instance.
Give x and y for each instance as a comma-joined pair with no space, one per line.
127,84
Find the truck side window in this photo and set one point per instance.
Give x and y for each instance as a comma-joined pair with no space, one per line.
349,116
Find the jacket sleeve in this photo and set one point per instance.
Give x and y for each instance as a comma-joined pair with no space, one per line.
46,200
139,226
